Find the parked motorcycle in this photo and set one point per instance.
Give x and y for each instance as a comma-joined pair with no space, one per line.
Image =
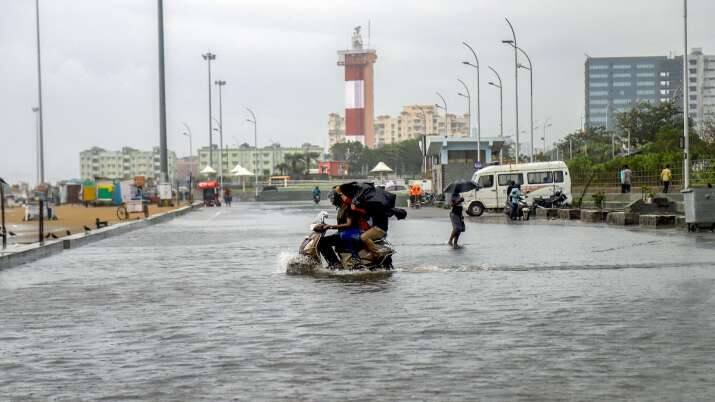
309,259
556,200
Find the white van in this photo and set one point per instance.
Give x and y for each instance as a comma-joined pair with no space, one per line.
538,179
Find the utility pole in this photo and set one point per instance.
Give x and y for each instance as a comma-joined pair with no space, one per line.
479,109
220,85
501,112
446,115
164,166
40,111
208,57
255,139
686,129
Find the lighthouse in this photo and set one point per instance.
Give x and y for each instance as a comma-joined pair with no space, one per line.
359,91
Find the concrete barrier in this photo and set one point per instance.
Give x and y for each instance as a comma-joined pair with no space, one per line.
622,218
657,221
547,213
33,252
593,215
569,214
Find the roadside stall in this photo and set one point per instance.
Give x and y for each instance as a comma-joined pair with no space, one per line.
210,190
89,192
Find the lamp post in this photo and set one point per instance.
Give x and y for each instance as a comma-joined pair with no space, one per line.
479,109
546,125
686,101
40,111
501,112
531,97
468,96
36,110
255,139
446,117
191,164
163,152
424,143
516,84
209,57
220,85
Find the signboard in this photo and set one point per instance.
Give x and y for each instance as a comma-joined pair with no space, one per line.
164,190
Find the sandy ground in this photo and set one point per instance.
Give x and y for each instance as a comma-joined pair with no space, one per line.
72,218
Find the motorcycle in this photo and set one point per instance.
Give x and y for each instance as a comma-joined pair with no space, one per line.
316,199
556,200
523,211
310,261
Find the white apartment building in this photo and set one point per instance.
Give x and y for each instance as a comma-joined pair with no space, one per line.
264,159
701,87
125,164
413,122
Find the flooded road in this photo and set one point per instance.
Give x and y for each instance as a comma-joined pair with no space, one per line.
200,309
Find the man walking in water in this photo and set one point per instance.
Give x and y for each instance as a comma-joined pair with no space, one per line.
665,176
626,179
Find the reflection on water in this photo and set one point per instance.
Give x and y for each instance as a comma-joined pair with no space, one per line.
200,308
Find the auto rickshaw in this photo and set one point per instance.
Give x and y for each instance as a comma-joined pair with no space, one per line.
211,190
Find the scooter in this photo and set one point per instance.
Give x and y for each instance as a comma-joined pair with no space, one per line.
556,200
523,211
316,199
310,261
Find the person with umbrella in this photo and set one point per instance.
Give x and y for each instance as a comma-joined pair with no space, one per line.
456,214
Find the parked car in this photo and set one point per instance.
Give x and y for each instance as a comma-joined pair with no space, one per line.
269,188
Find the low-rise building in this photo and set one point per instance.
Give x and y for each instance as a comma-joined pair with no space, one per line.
263,160
98,162
701,87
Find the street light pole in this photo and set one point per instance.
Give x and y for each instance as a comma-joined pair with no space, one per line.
686,101
208,57
424,143
501,112
255,139
163,157
479,109
191,164
531,97
446,116
220,85
516,84
469,111
40,110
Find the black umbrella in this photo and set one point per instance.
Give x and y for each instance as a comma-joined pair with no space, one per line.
460,186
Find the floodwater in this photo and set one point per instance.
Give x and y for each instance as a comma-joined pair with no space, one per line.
200,309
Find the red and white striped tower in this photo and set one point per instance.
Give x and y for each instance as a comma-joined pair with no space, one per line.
359,91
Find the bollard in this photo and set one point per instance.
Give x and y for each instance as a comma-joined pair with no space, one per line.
42,221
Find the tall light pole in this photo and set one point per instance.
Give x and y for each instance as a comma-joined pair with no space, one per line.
191,165
468,96
220,85
255,139
163,157
686,113
516,84
36,110
531,97
501,112
446,116
209,57
424,143
546,125
40,110
479,109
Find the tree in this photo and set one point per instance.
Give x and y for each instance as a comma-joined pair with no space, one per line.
295,161
283,168
308,158
645,119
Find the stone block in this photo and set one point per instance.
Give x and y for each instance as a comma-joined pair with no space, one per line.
593,215
657,221
569,214
547,213
622,218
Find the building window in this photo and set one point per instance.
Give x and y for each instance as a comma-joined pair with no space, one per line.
645,75
645,92
599,102
622,84
694,97
665,83
598,84
592,76
621,75
621,66
646,83
598,93
693,79
595,111
645,66
598,67
692,71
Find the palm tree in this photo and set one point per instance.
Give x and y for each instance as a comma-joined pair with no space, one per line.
283,168
310,156
294,161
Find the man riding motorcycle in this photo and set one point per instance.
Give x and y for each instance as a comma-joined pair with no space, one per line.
316,194
349,220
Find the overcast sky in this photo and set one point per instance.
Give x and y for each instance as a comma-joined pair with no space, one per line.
100,79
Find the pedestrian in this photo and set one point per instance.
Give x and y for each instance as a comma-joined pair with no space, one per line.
626,174
227,198
515,196
666,176
457,217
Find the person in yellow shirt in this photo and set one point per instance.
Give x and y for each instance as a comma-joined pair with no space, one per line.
666,176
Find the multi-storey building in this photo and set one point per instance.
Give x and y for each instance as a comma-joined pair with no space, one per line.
186,167
336,129
701,87
413,122
125,164
264,160
615,84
